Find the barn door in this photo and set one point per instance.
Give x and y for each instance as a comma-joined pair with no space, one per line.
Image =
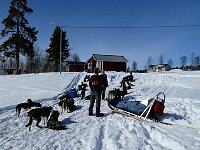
99,65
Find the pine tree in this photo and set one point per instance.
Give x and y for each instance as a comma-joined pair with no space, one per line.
21,36
54,47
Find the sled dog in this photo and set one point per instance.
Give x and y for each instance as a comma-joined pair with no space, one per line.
67,103
27,105
37,114
33,104
53,122
20,106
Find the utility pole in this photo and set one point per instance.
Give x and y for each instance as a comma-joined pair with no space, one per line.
60,49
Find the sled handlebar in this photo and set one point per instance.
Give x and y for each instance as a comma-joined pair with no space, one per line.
161,93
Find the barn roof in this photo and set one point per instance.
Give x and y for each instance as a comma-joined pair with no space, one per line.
75,62
109,58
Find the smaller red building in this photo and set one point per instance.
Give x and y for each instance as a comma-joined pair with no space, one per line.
72,66
107,62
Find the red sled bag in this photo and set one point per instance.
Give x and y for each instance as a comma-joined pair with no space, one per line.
158,108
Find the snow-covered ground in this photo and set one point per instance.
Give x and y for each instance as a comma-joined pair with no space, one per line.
112,132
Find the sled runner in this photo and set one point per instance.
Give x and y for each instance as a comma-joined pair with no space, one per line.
154,109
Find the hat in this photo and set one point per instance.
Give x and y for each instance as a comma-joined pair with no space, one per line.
96,70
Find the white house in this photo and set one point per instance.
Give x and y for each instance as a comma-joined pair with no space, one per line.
159,68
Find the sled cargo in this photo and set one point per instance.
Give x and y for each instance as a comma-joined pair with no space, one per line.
72,93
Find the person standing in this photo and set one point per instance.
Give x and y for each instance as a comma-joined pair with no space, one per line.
105,83
95,84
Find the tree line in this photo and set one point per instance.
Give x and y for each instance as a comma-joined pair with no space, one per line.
20,43
191,63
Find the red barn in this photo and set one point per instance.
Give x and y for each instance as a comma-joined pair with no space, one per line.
107,62
72,66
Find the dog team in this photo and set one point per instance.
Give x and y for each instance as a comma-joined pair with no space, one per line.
117,93
50,116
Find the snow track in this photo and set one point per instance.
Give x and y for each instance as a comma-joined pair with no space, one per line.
113,131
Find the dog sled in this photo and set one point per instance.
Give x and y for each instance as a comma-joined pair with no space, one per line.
135,109
72,93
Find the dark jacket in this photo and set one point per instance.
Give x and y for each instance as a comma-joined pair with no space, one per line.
95,83
104,81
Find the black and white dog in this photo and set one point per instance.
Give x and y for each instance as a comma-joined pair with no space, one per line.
37,114
111,94
87,77
67,103
117,94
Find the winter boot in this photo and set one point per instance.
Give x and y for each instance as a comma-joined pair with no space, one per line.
90,113
99,115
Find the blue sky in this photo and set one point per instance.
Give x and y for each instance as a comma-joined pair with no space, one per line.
135,44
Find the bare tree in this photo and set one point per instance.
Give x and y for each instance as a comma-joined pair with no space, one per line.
128,69
161,59
170,63
149,62
37,63
38,60
197,61
192,58
134,66
48,66
183,60
75,57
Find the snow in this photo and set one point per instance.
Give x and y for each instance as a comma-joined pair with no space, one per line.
112,132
